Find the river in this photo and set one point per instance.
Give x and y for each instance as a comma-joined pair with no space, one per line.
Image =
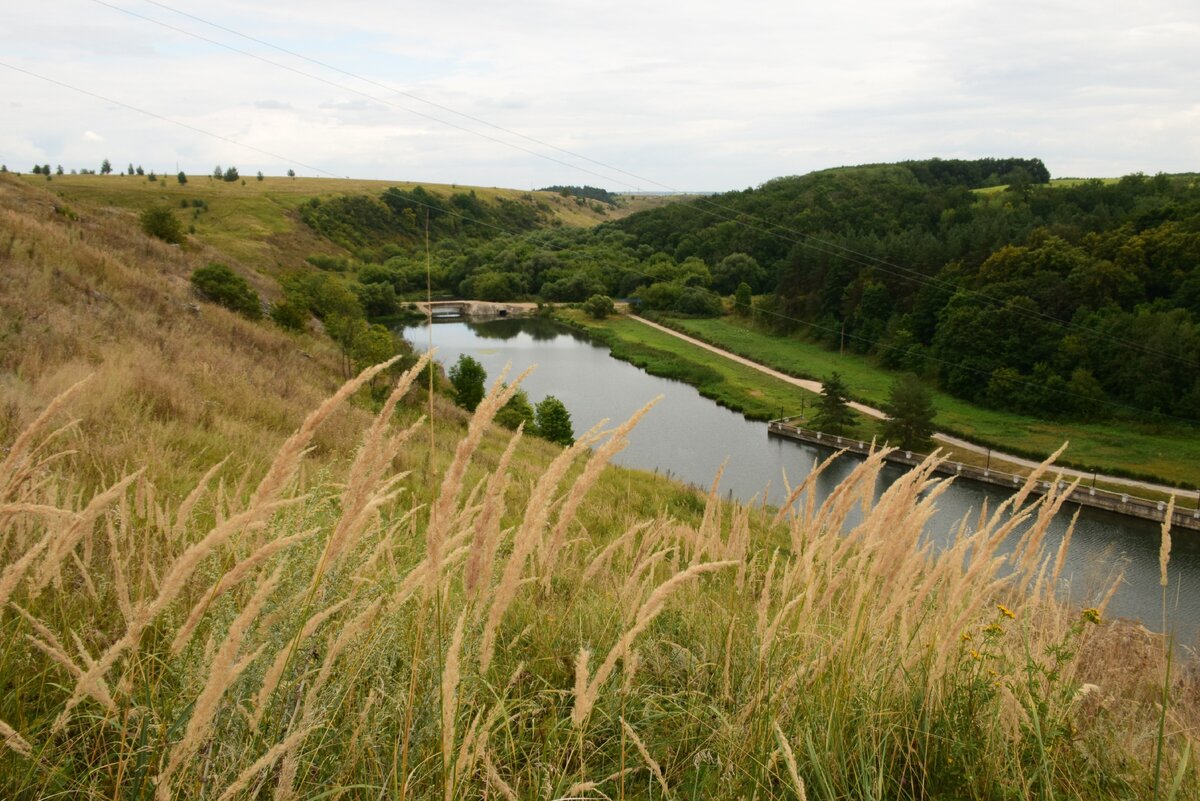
688,437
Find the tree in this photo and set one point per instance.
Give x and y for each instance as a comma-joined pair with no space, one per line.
37,169
909,408
599,306
181,177
737,268
743,300
105,167
58,170
554,421
230,175
218,173
834,415
161,222
222,285
139,170
291,173
130,170
518,410
260,175
289,314
467,377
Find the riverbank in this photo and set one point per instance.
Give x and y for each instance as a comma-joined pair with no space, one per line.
1155,452
762,392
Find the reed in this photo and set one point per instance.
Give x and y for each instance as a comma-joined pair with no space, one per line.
769,652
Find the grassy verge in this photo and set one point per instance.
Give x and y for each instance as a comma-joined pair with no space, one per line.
1168,454
734,386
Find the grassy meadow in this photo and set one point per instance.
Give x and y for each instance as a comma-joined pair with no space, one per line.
227,574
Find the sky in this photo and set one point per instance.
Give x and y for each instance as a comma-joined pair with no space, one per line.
629,96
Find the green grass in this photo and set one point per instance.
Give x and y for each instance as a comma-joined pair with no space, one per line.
642,639
256,223
735,386
1168,453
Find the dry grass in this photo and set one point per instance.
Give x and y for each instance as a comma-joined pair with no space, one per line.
845,660
319,604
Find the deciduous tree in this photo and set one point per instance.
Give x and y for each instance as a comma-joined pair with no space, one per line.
554,421
467,377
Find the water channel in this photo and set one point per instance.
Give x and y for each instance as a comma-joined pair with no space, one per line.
688,437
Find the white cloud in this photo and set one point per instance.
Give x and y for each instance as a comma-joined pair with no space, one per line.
92,136
720,97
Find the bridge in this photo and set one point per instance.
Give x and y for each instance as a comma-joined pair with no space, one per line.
472,309
1121,503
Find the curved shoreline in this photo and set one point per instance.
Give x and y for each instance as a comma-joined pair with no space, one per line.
948,439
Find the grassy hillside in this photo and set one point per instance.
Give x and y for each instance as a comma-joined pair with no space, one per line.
358,603
255,221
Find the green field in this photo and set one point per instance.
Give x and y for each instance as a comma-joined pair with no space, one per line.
1169,453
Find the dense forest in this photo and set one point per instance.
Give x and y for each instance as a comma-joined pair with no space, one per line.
1076,299
587,192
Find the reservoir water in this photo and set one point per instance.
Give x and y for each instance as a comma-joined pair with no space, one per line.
688,437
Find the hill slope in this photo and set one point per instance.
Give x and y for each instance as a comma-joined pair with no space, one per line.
374,607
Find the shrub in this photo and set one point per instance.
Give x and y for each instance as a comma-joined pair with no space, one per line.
222,285
289,314
160,222
599,306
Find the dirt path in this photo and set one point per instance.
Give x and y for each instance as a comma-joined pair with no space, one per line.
870,411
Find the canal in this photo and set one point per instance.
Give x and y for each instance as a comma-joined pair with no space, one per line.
688,437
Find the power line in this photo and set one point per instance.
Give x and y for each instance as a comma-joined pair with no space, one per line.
771,228
64,85
411,96
360,93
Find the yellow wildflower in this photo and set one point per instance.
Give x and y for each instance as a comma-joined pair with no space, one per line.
966,636
1004,610
1091,615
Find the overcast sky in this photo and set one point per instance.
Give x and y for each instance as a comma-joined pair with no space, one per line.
689,96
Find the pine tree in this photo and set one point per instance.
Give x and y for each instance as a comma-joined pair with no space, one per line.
105,167
834,415
910,412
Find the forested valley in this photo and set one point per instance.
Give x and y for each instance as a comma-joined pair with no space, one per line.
1065,299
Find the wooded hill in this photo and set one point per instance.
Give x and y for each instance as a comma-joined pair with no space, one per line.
1049,299
1073,298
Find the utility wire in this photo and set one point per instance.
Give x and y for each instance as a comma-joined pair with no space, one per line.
360,93
64,85
515,233
767,227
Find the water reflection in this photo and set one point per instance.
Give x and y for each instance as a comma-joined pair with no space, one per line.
690,437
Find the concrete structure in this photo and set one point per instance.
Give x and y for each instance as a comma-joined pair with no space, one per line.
1121,503
473,309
